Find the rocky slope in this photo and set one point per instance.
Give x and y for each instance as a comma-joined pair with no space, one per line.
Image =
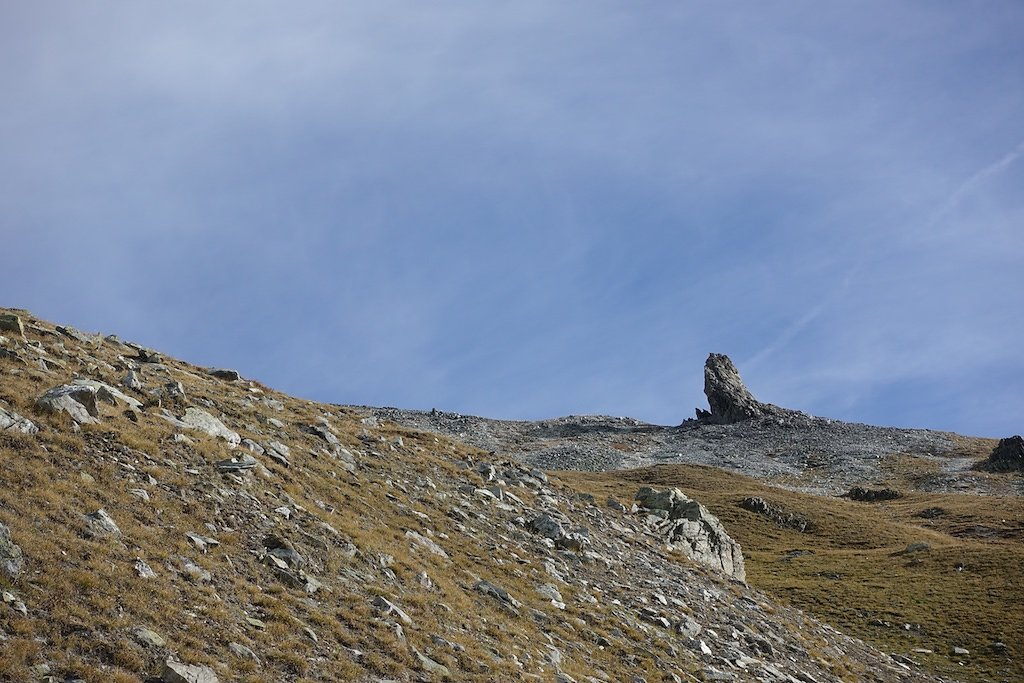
739,433
168,522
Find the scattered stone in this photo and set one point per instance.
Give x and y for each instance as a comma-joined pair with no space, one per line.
176,672
76,400
488,588
100,523
10,421
202,421
238,463
429,665
871,495
961,651
782,518
107,393
148,637
242,652
385,606
11,558
132,381
226,375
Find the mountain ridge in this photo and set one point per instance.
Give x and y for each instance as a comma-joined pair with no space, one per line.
162,521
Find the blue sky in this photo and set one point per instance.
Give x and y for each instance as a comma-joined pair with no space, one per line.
529,209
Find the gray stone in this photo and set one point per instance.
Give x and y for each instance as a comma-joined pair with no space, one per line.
691,525
176,672
728,397
385,606
100,523
421,541
143,570
148,637
11,421
225,374
11,558
107,393
782,518
132,381
202,421
77,401
488,588
242,461
194,573
242,652
429,665
322,432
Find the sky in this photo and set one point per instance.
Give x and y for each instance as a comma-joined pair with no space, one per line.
530,209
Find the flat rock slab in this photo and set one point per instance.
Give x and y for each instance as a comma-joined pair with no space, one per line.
105,392
202,421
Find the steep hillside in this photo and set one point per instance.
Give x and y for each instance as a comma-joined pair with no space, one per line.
161,520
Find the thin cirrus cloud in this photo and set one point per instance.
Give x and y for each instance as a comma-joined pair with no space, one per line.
530,209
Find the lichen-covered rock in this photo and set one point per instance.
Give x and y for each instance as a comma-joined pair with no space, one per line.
687,523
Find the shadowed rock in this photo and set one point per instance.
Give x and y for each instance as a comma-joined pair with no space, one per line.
1007,456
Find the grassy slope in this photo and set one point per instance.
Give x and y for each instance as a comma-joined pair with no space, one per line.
857,573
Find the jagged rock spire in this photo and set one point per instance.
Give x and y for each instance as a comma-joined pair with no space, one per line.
728,397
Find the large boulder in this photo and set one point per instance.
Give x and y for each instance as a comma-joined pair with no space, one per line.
1008,455
76,400
690,525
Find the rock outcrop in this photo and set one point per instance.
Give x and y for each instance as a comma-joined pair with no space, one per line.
690,525
1007,456
732,402
728,397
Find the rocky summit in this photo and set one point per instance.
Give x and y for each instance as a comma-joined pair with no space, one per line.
161,521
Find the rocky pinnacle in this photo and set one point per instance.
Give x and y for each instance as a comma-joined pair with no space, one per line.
728,397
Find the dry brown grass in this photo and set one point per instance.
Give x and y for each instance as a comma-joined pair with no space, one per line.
858,573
